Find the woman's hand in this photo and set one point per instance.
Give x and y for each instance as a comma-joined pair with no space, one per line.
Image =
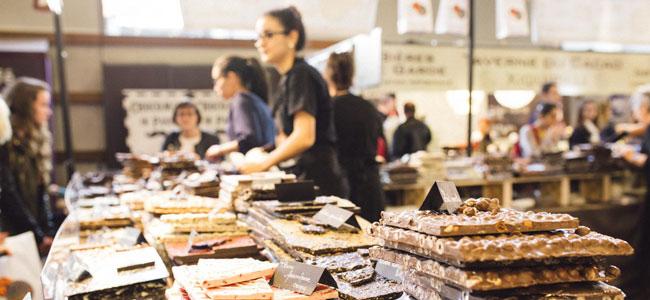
213,153
253,167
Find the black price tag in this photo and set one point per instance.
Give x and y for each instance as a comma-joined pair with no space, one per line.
300,278
443,196
295,191
130,237
389,270
335,216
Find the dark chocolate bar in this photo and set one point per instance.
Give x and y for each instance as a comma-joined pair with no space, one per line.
340,262
503,248
482,222
358,277
378,289
497,278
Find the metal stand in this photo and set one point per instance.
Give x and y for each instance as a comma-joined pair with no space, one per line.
471,76
63,96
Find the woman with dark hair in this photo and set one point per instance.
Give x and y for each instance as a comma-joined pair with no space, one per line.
302,106
358,127
586,131
26,160
190,138
250,125
543,135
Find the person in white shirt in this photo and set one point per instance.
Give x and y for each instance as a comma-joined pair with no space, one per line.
190,139
543,135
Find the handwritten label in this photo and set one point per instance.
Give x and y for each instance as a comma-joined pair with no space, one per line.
335,216
443,196
300,278
295,191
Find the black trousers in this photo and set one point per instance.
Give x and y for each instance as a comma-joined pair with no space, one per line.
365,188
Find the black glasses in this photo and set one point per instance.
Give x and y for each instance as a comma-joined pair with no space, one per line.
270,34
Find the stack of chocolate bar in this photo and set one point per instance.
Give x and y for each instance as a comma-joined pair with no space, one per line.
482,251
235,279
177,227
204,184
174,163
136,166
171,203
107,273
342,251
288,210
240,190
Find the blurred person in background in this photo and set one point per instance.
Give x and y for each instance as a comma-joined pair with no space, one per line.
243,82
548,94
640,102
26,160
411,136
190,138
302,106
357,129
586,130
543,135
390,120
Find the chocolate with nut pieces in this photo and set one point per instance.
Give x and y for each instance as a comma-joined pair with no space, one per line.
478,222
420,288
504,247
497,278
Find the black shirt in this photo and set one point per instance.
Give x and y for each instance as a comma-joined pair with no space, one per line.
250,122
303,88
357,129
172,143
410,137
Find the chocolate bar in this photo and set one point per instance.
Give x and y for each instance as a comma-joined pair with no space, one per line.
497,278
378,289
481,222
359,276
426,289
340,262
147,290
502,248
240,246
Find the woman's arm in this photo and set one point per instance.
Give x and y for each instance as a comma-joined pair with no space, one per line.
216,151
301,139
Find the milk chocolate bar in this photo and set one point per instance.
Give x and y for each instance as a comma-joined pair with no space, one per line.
504,247
378,289
425,289
482,222
497,278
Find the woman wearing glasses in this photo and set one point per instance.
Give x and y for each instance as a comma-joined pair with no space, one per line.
302,106
250,125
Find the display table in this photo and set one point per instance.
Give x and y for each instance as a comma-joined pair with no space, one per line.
593,186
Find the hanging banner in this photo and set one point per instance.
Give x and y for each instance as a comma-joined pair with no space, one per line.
453,17
511,19
149,115
414,16
428,68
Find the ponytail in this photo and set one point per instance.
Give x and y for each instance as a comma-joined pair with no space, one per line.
250,72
